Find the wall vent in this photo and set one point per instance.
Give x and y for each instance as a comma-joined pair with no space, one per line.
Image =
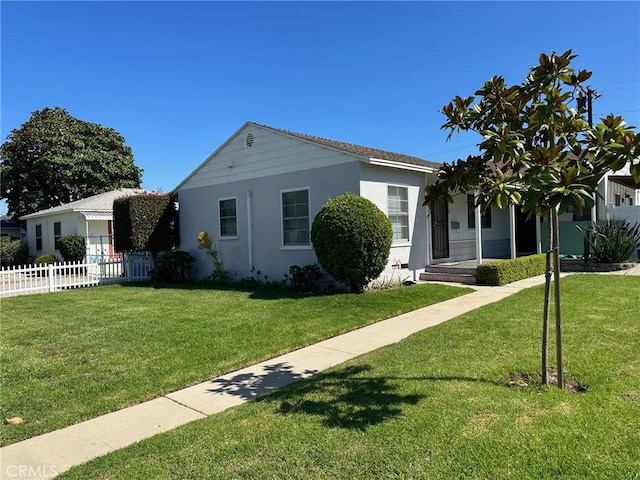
249,139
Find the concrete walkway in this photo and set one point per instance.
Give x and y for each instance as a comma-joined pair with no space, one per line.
47,455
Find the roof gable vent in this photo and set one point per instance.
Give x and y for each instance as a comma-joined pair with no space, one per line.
249,139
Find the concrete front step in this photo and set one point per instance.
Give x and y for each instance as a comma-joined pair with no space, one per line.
452,269
466,278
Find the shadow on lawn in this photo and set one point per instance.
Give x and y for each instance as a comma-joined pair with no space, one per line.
344,399
347,398
260,292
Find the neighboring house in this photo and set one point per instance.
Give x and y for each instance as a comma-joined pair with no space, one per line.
258,193
623,191
90,217
11,228
618,198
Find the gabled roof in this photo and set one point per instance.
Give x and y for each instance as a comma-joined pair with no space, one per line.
369,155
368,152
95,206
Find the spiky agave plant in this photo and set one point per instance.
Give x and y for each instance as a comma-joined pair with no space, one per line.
614,241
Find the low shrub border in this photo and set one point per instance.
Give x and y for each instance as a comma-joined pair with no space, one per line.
507,271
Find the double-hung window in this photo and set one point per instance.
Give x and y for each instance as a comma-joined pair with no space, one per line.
228,217
295,218
485,218
398,212
57,233
39,237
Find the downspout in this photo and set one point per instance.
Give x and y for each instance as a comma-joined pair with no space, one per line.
250,231
478,217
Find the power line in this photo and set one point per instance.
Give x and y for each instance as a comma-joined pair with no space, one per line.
450,150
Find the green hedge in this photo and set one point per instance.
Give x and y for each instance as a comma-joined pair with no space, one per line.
507,271
143,222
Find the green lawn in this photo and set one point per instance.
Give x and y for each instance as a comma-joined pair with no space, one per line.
69,356
436,406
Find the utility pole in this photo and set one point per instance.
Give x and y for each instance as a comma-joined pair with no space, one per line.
587,102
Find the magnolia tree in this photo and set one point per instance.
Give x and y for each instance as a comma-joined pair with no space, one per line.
536,152
54,158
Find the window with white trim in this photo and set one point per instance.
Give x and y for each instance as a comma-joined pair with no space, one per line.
295,218
398,212
228,217
39,237
485,218
57,233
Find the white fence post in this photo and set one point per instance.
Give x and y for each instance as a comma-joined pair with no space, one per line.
50,277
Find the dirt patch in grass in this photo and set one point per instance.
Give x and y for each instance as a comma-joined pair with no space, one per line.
523,379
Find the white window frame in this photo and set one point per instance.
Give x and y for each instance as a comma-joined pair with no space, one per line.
485,217
57,235
399,215
38,237
220,235
301,246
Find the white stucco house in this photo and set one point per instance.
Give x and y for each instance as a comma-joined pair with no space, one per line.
90,217
258,193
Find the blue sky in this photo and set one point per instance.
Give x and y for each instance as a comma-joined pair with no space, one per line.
176,79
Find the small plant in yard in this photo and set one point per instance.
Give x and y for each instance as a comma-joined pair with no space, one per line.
304,279
206,242
613,242
46,259
175,266
392,281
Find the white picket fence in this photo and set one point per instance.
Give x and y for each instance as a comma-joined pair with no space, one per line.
62,276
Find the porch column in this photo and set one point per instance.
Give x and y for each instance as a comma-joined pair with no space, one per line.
478,217
605,184
86,239
538,236
512,231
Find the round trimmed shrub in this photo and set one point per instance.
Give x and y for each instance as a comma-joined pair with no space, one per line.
46,259
352,239
72,248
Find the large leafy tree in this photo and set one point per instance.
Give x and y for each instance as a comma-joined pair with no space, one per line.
536,152
54,158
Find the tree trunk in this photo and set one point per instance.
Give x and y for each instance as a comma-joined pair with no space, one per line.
547,301
558,312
